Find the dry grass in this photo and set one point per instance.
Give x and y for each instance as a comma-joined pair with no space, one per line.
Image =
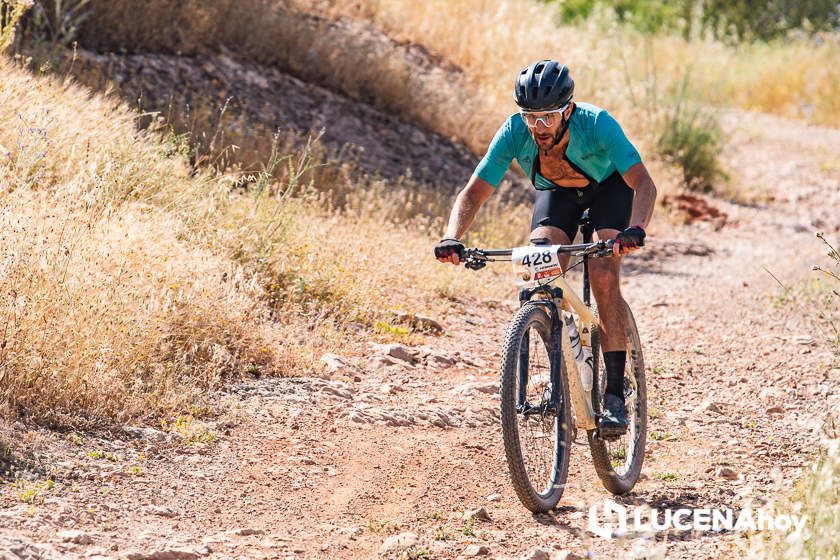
463,95
130,286
367,67
818,499
455,79
792,78
109,308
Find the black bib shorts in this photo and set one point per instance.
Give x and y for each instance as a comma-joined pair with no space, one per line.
609,203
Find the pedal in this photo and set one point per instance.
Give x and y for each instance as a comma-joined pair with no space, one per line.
599,434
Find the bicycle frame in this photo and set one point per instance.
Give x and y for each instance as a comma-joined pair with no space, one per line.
562,297
558,297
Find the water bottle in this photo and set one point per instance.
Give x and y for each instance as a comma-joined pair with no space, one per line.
582,351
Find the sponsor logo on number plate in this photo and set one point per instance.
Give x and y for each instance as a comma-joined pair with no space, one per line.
547,273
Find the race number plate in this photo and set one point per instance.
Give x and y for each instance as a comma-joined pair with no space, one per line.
535,264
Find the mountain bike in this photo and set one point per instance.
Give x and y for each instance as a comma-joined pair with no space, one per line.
543,398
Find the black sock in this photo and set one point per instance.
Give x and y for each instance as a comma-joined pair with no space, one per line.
614,362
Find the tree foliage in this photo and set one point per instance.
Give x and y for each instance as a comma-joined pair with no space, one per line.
734,21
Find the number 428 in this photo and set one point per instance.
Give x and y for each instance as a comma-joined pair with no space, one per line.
534,259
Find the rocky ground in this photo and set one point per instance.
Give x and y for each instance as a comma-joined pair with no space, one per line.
396,450
225,95
259,100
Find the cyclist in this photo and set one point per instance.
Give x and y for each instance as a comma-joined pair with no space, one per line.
577,157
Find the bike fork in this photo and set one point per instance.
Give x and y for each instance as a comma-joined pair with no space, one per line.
556,361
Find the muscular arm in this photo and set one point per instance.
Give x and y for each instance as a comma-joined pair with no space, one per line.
466,206
638,178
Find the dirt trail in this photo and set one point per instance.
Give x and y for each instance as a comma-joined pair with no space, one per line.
318,468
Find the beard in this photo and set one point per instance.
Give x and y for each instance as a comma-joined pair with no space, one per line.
544,140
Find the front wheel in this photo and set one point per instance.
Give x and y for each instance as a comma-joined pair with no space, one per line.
536,424
618,463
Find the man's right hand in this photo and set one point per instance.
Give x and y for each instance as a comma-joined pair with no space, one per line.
449,250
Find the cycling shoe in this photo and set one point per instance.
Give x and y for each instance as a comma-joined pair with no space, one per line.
614,421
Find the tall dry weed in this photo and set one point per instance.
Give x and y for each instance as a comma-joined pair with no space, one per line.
109,307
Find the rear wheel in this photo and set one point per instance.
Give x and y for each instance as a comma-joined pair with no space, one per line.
619,462
536,431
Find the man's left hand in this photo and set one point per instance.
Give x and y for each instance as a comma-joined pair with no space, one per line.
629,240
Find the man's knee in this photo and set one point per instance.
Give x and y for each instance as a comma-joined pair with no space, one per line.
555,235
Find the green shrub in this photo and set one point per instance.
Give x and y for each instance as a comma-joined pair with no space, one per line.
692,139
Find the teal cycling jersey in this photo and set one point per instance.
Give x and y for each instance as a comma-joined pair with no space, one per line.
597,147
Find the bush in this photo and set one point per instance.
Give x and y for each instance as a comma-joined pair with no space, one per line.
692,139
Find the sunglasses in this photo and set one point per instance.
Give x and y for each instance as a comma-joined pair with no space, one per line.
548,118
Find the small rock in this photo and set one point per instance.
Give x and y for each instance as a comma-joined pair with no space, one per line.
771,393
302,459
708,406
727,472
479,514
186,553
399,542
247,532
162,511
564,555
335,364
398,351
776,410
471,388
476,550
494,497
75,537
537,554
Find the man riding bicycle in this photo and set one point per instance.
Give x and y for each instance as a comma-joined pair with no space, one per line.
577,157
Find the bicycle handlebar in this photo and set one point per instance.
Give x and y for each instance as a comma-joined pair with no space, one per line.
603,248
476,259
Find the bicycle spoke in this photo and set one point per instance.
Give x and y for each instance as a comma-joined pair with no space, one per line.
537,427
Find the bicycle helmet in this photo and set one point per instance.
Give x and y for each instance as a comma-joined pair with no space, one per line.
543,86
